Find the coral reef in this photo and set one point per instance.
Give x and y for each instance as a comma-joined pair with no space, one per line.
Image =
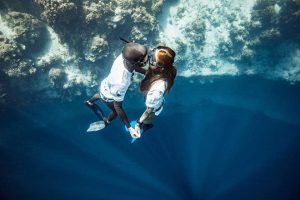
57,76
61,48
98,13
19,6
97,49
59,13
57,45
64,16
28,31
235,37
22,40
274,26
10,53
196,30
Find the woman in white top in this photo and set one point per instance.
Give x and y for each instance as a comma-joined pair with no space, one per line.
158,81
113,88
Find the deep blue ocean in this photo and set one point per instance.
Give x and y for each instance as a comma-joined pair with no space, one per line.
234,138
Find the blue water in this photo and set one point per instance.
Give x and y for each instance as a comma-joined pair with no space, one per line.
230,138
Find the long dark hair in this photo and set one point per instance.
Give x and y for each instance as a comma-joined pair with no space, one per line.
165,70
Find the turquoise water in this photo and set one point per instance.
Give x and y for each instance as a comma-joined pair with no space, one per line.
230,138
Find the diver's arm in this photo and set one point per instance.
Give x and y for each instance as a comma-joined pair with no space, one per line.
140,70
145,115
121,113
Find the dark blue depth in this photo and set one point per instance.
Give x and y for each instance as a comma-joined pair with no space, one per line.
234,138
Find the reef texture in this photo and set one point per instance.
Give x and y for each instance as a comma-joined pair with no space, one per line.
62,48
271,39
236,37
23,40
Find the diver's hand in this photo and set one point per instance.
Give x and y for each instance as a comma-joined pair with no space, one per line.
133,133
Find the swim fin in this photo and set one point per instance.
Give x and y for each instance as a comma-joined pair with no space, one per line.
144,128
96,126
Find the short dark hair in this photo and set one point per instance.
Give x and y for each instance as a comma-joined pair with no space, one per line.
134,53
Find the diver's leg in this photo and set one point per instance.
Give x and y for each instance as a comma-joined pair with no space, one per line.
112,115
94,107
91,101
148,122
98,111
149,119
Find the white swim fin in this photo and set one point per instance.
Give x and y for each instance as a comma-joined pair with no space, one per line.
96,126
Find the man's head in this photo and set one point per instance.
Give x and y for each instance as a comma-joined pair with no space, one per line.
135,54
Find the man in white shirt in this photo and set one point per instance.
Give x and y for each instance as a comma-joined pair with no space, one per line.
113,88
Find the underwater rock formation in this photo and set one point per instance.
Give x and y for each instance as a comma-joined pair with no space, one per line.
28,30
290,19
97,49
60,44
23,39
64,17
235,37
57,77
10,53
59,13
195,29
64,47
273,36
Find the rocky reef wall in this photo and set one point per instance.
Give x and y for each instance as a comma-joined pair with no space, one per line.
230,37
62,48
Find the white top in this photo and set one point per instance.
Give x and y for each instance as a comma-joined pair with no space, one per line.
155,95
115,85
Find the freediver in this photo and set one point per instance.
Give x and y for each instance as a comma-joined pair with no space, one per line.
113,88
157,82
